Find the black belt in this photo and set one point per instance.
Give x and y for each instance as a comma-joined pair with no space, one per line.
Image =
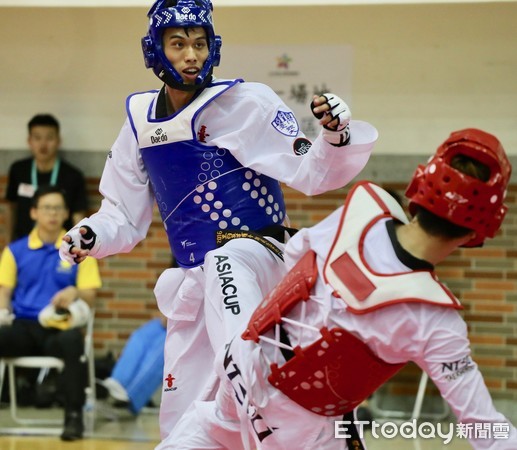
284,339
275,231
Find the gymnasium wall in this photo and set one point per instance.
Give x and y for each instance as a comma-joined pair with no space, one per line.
419,72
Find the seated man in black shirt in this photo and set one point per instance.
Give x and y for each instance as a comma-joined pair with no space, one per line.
44,167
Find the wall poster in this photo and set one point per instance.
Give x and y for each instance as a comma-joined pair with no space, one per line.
294,72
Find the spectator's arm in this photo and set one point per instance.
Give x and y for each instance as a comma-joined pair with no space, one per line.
65,297
6,294
9,220
88,295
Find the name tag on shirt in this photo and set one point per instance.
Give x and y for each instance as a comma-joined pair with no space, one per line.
26,190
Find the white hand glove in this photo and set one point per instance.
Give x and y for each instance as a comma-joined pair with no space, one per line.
339,134
48,317
87,241
6,317
79,313
76,315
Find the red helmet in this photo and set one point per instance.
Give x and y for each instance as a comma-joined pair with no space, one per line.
459,198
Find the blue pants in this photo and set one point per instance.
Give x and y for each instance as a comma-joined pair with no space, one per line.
140,366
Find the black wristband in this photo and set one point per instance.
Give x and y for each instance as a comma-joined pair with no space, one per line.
88,239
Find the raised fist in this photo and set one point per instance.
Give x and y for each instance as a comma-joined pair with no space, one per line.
334,115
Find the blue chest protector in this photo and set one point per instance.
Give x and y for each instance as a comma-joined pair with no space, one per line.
201,189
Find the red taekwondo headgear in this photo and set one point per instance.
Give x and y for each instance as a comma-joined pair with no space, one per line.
457,197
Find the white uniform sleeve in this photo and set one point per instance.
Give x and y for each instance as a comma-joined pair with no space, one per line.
242,120
448,363
127,206
296,247
318,238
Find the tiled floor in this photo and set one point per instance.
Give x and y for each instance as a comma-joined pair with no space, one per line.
109,423
116,429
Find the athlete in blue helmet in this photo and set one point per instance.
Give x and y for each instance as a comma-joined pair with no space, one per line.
167,14
212,154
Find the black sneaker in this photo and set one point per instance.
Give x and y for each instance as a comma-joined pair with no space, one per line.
74,426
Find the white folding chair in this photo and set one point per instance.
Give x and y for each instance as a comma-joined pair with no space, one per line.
417,407
45,363
34,362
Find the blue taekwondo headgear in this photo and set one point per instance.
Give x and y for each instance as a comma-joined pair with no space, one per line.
183,14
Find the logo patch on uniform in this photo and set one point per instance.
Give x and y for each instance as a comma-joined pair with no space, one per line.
202,134
301,146
169,383
455,369
286,123
160,136
64,267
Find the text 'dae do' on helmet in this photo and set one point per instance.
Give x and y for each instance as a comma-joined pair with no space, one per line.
179,14
460,198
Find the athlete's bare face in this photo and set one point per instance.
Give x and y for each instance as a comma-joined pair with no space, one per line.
187,50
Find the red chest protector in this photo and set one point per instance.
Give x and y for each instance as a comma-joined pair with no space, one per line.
334,374
338,371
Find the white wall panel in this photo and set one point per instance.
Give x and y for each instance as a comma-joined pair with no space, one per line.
419,71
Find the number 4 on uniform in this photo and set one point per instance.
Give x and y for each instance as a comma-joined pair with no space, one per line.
192,258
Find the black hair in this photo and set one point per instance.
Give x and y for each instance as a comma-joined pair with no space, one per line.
48,189
45,120
471,167
437,226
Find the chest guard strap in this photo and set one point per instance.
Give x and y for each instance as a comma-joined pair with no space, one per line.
295,286
333,375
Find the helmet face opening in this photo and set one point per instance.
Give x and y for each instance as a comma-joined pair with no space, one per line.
460,198
184,14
